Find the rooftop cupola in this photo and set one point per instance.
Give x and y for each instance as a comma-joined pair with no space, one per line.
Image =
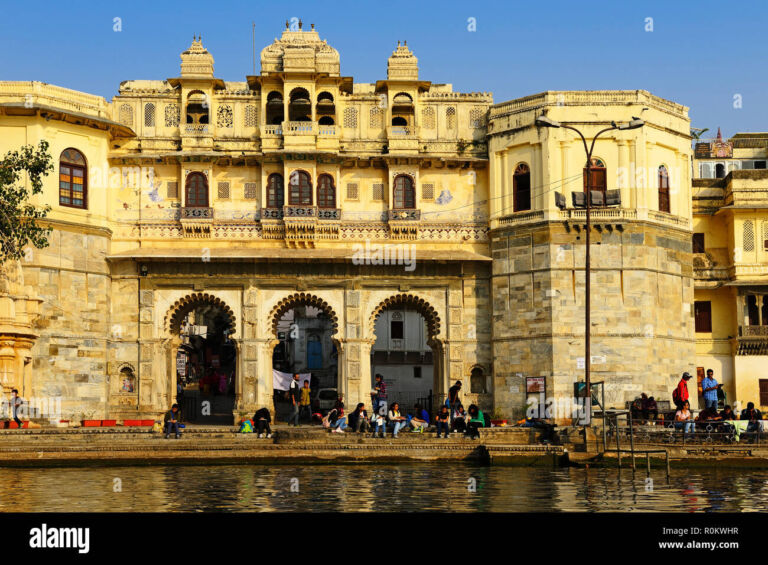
196,62
403,64
299,51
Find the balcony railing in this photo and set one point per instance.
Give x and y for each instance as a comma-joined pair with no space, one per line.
273,129
299,211
401,131
329,213
299,128
407,214
326,131
271,213
753,331
196,129
195,213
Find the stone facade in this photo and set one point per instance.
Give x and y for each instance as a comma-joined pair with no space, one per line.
183,208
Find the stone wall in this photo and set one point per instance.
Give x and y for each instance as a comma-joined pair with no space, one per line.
69,359
642,295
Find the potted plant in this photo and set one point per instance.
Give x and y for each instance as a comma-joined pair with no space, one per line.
498,419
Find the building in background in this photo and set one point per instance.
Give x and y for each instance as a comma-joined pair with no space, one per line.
730,246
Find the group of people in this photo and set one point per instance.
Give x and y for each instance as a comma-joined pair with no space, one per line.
713,393
451,417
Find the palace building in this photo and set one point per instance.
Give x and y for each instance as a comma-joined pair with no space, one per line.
209,232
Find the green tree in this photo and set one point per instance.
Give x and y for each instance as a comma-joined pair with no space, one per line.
18,218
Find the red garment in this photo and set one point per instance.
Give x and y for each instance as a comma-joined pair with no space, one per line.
682,388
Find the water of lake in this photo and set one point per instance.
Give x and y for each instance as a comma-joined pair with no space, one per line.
456,487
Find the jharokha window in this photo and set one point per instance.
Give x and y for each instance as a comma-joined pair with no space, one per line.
326,192
597,176
663,190
405,194
197,191
521,188
300,189
275,191
73,179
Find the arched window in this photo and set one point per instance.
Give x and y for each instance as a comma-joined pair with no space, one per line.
399,121
197,191
521,188
73,179
597,176
405,194
299,106
326,192
300,189
275,191
477,381
197,108
663,190
720,171
753,310
326,121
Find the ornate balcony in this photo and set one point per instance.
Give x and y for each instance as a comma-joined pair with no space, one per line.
196,222
403,138
404,223
753,340
271,213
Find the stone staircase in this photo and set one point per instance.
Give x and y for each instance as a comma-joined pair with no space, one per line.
223,444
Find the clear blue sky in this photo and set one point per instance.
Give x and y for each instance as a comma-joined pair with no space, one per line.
700,53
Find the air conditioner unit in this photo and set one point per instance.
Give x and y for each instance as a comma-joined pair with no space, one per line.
579,199
596,198
560,201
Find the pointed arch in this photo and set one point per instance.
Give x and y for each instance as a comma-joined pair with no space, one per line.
302,299
423,307
179,310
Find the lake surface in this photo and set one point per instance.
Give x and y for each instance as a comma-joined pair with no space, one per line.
410,487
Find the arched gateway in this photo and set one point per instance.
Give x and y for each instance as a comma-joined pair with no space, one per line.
202,358
305,330
408,351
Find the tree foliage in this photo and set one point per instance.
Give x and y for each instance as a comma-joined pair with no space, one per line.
18,217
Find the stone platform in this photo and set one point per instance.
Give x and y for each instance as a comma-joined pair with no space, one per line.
223,444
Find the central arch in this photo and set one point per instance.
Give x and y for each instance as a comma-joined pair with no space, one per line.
305,331
402,366
202,357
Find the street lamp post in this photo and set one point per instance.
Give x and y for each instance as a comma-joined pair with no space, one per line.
544,121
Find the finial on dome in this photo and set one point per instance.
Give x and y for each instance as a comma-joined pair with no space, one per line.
301,24
313,27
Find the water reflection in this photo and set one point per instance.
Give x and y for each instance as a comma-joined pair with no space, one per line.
454,487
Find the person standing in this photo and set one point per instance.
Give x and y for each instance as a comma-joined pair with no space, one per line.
294,393
380,393
709,389
16,403
680,394
304,405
